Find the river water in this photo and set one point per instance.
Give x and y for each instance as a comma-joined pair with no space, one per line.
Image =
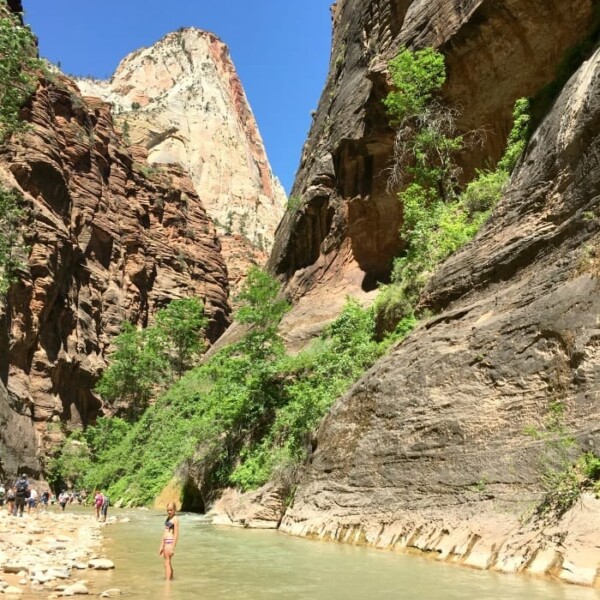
217,563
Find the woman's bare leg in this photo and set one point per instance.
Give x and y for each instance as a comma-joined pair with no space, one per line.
168,566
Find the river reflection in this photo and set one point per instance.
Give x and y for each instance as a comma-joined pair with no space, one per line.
225,563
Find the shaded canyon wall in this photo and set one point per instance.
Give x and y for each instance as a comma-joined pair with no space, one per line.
344,236
427,452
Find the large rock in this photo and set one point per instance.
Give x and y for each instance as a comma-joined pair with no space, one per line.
182,99
17,437
342,238
428,449
259,509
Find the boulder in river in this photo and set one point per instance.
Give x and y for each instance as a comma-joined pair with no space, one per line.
101,564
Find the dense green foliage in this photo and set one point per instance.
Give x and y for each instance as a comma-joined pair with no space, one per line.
243,417
147,360
11,242
565,471
417,76
519,134
438,218
17,61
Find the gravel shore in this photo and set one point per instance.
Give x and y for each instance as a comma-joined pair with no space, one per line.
46,554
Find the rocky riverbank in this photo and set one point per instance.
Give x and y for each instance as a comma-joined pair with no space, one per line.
47,554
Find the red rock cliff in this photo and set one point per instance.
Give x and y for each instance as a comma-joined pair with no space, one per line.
111,239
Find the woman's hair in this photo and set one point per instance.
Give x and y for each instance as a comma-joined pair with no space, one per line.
172,505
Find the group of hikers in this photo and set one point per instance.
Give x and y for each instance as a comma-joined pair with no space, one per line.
21,497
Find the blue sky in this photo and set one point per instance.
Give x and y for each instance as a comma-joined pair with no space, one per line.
280,49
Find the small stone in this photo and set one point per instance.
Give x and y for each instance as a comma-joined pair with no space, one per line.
58,573
111,593
63,538
101,564
13,590
36,530
76,589
13,568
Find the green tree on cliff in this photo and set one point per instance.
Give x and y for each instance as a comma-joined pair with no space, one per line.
146,360
17,61
177,333
11,245
438,218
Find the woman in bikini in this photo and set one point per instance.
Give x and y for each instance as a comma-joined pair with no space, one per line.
169,539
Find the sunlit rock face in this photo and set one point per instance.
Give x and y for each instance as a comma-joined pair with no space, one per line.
344,236
428,451
182,99
109,239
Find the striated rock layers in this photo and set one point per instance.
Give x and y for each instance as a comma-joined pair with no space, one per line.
182,99
110,240
428,451
344,236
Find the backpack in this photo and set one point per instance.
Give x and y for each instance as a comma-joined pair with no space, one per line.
105,501
21,487
2,491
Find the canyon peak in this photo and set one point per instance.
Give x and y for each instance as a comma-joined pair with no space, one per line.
182,99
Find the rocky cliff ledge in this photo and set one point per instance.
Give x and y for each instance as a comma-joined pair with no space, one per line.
343,237
182,99
111,239
428,451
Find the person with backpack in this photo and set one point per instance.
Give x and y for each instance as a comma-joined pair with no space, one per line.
21,494
104,508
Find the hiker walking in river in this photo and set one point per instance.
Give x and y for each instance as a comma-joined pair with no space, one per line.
98,500
169,539
21,494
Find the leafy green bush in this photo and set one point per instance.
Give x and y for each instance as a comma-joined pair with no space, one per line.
482,194
417,76
11,243
145,360
566,486
294,203
437,219
17,83
70,462
243,417
518,137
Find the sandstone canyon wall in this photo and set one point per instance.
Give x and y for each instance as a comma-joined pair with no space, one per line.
427,451
344,236
182,99
109,240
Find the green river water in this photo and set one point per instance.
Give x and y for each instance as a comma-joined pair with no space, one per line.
228,563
